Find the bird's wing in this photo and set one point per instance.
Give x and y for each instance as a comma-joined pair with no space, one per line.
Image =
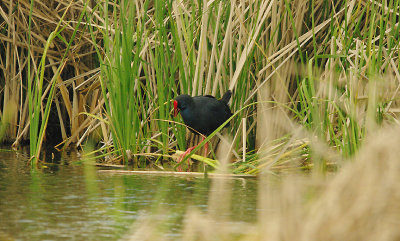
218,106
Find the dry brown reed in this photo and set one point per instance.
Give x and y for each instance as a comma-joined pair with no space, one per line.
72,97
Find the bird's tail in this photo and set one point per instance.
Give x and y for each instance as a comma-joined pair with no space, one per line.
227,96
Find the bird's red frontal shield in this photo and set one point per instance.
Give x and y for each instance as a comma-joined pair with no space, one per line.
176,109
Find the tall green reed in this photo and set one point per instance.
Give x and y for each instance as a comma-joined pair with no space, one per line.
120,73
138,78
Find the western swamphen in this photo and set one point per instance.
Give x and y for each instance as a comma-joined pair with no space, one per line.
202,114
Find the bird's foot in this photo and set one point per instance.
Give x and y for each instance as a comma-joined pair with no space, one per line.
183,156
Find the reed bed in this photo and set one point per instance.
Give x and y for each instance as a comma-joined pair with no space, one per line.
107,70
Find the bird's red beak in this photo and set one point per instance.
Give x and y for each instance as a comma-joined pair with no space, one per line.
176,109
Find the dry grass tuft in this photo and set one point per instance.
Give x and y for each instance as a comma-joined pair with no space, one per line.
360,202
363,201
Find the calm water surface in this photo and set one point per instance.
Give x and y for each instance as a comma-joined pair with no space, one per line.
69,201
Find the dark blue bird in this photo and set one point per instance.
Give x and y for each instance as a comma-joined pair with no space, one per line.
202,114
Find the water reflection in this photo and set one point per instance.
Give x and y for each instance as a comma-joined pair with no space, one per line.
67,201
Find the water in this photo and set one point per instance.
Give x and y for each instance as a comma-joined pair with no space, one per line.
68,201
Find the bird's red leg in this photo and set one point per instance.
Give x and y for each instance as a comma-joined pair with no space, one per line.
205,146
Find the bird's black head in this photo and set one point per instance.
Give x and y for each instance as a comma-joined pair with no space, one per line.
181,102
